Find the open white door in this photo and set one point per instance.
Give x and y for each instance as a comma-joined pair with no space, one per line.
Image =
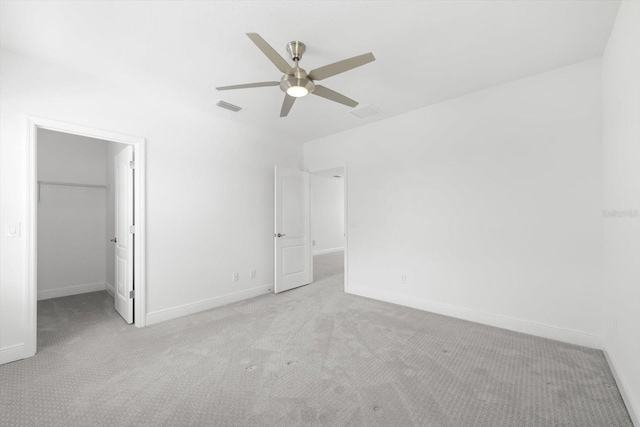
293,261
124,233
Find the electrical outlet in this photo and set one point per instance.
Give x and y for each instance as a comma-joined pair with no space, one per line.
236,277
403,278
252,274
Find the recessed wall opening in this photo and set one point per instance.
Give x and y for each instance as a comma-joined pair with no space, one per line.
328,226
86,230
77,235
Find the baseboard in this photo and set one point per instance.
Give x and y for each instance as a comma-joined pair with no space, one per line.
504,322
207,304
70,290
11,353
328,251
110,289
634,411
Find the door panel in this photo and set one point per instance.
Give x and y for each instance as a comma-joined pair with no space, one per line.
293,265
293,213
293,261
124,237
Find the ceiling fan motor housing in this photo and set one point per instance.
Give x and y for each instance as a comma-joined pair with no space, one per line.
299,78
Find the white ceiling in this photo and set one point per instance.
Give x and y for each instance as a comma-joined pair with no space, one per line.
426,51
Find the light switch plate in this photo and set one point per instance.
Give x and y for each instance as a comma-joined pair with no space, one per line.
13,230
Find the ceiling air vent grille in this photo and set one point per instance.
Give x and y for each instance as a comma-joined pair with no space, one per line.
366,111
228,106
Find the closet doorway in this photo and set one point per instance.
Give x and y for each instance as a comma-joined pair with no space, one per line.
328,226
86,221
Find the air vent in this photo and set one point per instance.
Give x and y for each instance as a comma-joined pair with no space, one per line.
228,106
366,111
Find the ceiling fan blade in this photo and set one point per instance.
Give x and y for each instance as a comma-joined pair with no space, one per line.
271,53
249,85
333,96
286,105
341,66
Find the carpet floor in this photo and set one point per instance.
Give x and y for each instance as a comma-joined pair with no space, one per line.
313,356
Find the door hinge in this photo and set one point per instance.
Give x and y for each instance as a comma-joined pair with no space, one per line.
132,229
132,164
132,294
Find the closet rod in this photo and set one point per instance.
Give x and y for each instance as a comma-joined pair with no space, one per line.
69,184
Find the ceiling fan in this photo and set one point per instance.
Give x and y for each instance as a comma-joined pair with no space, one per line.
296,82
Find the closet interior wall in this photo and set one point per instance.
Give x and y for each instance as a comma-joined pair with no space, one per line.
75,222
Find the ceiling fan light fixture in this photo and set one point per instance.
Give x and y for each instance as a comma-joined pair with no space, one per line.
296,86
297,91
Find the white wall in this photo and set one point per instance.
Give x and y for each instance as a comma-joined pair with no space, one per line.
327,213
489,203
621,131
71,220
209,190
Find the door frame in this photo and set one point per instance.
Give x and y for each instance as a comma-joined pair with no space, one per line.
345,219
139,147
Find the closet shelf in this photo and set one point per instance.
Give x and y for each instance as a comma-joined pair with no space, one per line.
73,184
70,184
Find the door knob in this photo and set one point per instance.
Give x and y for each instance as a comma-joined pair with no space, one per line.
114,240
280,235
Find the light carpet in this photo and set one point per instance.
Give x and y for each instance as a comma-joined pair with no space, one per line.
313,356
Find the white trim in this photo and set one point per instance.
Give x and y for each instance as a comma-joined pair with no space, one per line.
12,353
206,304
70,290
504,322
109,288
89,132
308,233
35,123
346,228
634,411
328,251
31,292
